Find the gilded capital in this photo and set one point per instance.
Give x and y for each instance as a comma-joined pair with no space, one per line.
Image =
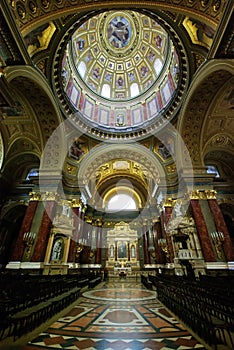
76,203
50,196
169,202
211,194
203,194
197,194
84,209
34,196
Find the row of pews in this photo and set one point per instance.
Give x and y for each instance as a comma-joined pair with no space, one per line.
206,305
27,301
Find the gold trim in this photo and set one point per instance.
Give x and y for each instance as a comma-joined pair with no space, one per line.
169,202
203,194
49,196
34,196
76,203
211,194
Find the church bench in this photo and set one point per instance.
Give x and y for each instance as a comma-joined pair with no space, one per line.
94,282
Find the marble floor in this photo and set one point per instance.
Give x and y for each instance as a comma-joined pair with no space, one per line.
116,315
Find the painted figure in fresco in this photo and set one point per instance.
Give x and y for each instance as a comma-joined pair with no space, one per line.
80,44
96,73
158,41
33,38
144,71
118,32
120,82
75,150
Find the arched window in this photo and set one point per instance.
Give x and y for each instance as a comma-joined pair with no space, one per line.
158,65
212,169
134,90
106,91
32,173
122,201
82,69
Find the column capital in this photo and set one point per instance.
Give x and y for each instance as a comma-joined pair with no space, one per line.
34,196
169,202
211,194
76,203
203,194
49,196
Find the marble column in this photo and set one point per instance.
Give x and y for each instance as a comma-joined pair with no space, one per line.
145,245
202,231
159,259
221,226
45,227
168,206
116,251
87,239
99,244
19,247
129,252
76,205
164,236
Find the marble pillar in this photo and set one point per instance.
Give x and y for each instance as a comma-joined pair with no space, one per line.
221,226
75,233
99,245
19,247
202,231
44,230
168,214
145,246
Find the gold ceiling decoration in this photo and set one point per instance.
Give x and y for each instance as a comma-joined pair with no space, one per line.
121,168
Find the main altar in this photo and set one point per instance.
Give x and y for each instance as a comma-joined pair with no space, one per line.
122,252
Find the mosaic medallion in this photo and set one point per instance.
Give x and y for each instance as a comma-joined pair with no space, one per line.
120,295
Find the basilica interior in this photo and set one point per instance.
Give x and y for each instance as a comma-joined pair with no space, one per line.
117,168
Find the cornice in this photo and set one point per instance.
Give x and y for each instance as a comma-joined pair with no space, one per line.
29,14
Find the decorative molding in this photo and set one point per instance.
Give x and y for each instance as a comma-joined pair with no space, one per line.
30,12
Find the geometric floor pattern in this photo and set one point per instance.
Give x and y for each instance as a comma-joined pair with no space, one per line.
116,316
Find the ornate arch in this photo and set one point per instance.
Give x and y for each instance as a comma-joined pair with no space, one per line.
212,78
41,112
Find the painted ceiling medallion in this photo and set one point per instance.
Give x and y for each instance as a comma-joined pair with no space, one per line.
120,31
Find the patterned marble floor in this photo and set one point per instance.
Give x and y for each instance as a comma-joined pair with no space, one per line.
116,316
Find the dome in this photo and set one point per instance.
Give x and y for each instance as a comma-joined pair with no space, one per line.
115,83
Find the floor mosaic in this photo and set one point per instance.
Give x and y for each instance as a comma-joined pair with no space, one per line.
116,316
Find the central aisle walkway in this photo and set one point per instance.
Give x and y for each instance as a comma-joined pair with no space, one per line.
117,315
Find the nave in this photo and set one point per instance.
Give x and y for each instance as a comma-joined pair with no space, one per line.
119,314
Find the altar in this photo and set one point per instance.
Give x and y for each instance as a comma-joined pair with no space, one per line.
126,270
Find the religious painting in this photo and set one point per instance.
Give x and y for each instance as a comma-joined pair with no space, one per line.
57,249
119,32
122,251
76,150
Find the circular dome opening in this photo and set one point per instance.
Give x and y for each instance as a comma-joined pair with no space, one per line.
121,72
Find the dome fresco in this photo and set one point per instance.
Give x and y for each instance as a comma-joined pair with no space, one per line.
113,80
